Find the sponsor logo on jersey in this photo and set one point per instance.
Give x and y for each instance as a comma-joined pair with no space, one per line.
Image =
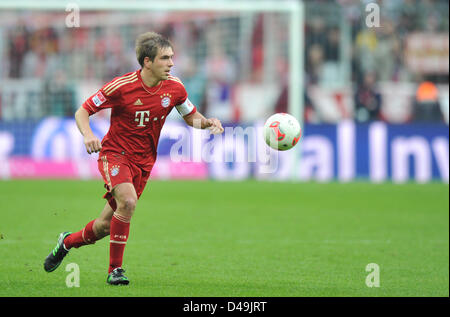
98,99
141,117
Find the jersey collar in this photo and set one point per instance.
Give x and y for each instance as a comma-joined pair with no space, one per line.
150,90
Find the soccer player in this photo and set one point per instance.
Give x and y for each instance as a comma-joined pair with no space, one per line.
140,102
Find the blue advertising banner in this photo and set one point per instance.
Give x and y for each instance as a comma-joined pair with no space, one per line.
344,152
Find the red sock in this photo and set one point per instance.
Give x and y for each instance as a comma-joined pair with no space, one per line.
120,227
82,237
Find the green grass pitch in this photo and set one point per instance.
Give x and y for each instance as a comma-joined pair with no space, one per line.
233,239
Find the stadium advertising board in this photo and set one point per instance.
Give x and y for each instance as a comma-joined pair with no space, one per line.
53,148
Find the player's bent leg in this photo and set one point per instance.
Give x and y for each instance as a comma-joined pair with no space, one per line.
102,224
93,231
126,198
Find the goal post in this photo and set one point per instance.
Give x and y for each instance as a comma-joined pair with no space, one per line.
295,10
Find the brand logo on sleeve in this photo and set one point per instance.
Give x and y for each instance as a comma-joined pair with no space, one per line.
98,99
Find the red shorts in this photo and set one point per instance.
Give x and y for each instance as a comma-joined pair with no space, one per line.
117,169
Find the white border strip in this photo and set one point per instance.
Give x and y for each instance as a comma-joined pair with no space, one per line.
231,5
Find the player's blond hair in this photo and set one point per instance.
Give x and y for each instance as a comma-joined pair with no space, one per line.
147,45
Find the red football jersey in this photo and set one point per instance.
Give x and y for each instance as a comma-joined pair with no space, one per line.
138,113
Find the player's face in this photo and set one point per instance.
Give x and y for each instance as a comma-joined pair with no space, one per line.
163,63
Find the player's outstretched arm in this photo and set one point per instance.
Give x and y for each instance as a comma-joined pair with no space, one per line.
197,120
91,142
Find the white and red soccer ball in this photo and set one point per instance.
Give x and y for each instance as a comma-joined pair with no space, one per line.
282,131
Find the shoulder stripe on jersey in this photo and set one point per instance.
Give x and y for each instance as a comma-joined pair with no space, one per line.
118,80
175,79
121,84
107,90
113,87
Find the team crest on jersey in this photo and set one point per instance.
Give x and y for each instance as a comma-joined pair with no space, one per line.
115,170
165,100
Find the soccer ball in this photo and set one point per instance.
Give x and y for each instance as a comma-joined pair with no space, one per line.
282,131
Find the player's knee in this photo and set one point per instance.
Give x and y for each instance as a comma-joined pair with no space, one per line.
127,205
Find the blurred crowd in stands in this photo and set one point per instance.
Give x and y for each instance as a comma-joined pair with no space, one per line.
374,55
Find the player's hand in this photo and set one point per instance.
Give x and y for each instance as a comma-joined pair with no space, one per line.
92,144
214,125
